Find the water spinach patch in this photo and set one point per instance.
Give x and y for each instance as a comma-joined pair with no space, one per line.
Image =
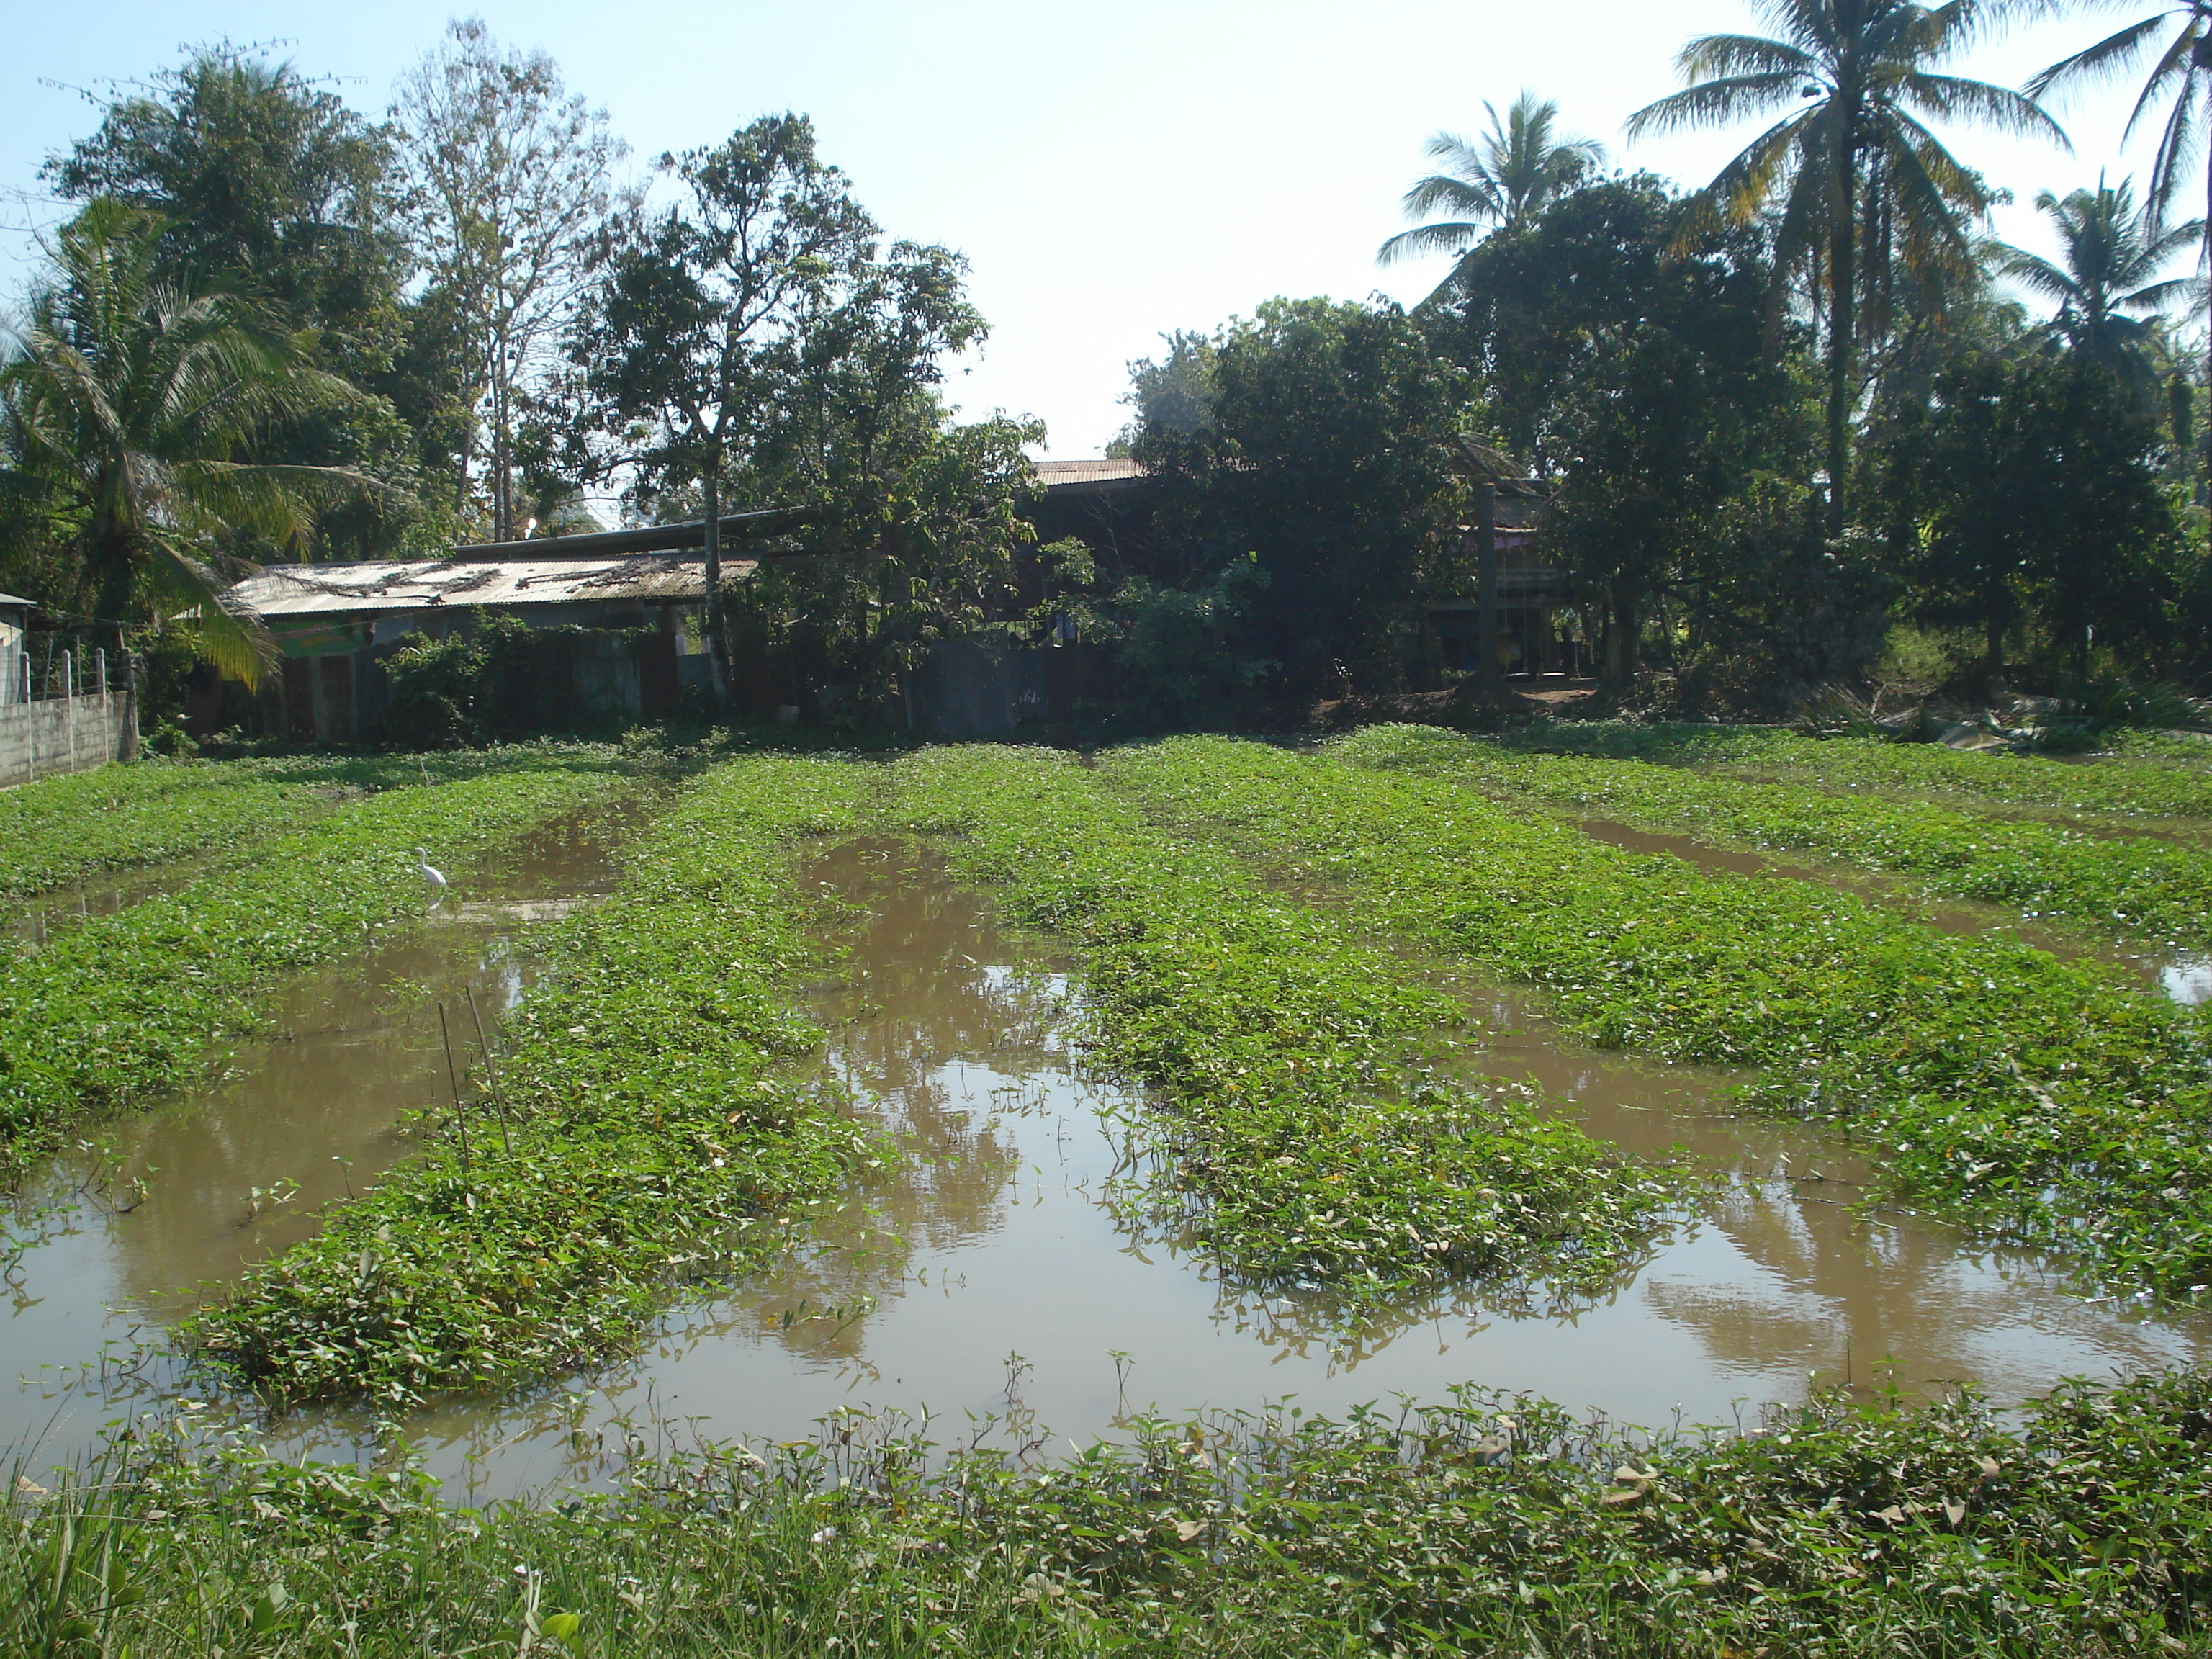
111,1014
1308,1137
2148,891
2117,785
644,1129
1488,1524
2041,1102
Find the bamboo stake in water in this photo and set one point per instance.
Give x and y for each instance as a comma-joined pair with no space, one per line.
491,1070
460,1114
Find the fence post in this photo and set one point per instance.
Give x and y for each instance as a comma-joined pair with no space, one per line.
68,711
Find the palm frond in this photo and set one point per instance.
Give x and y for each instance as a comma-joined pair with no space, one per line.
1424,240
2107,59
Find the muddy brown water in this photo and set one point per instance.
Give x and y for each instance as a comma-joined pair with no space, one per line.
995,1239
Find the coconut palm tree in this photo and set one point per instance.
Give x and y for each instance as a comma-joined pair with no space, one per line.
1494,183
2178,38
2111,255
1854,178
132,407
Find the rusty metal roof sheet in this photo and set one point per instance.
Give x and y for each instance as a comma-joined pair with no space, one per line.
1051,473
298,590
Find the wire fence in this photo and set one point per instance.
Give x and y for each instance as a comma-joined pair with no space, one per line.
40,668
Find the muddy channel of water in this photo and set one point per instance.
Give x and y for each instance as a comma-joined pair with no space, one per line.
995,1239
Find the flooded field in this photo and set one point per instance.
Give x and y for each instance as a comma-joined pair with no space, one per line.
993,1273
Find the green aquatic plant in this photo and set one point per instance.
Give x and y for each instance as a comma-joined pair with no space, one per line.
2039,1102
1306,1134
2135,889
1486,1524
109,1014
2117,785
655,1120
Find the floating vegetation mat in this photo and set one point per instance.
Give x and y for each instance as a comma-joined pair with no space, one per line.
646,1130
109,1014
1305,1136
2148,891
2042,1103
2132,786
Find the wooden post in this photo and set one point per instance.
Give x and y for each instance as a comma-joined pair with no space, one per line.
717,645
1486,547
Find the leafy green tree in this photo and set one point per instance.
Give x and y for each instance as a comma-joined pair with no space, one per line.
2180,79
2109,257
1634,376
1171,393
1327,458
1857,189
505,181
755,341
272,188
1495,182
2027,491
131,409
262,177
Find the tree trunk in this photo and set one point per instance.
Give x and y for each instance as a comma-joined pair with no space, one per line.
718,644
1843,284
1621,662
1992,654
2208,338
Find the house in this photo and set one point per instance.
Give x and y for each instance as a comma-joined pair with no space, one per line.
14,621
336,624
1531,590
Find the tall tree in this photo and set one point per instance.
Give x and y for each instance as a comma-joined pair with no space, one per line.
752,341
1327,464
2106,283
1857,183
271,186
1635,378
2180,79
1494,182
506,182
132,407
2026,490
262,177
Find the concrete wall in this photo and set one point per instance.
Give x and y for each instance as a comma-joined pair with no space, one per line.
64,734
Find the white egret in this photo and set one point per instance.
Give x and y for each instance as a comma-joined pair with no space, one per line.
431,878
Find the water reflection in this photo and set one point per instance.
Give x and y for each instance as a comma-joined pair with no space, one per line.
997,1236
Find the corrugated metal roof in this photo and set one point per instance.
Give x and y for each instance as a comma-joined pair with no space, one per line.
10,600
298,590
1050,473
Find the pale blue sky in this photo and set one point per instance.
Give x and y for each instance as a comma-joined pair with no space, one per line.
1111,172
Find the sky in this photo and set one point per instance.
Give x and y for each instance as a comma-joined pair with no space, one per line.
1110,173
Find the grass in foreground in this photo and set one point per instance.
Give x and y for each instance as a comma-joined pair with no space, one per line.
654,1134
108,1016
2148,891
2039,1102
1493,1525
1306,1137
